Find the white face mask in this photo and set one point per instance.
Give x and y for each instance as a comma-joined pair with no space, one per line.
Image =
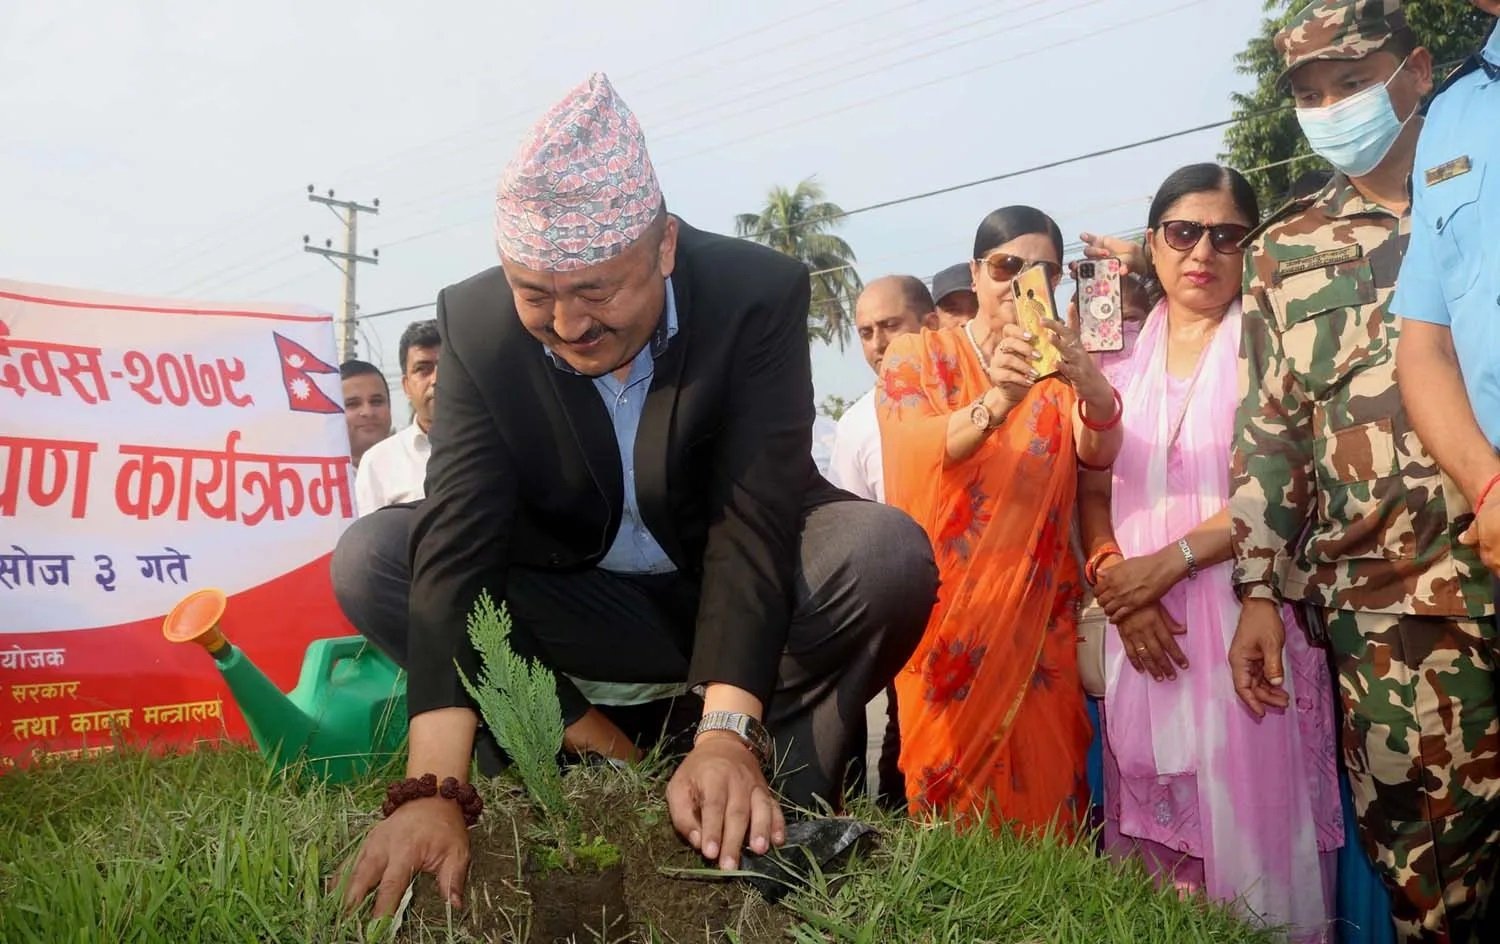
1357,133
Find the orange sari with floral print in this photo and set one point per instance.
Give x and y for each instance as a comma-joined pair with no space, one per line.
993,724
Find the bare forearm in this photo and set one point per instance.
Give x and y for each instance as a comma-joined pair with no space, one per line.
442,743
1432,388
721,696
1095,523
1209,541
1099,447
964,438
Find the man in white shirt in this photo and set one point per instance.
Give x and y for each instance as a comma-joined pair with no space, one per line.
395,469
888,308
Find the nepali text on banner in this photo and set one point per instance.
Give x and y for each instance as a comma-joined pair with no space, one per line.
147,449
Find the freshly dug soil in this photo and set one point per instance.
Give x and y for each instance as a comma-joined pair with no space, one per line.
510,899
580,904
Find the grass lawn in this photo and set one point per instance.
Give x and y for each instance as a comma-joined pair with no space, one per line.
210,847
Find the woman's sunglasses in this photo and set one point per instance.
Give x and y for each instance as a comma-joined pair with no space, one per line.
1003,267
1183,235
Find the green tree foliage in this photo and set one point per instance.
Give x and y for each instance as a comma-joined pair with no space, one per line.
1266,130
799,223
518,699
834,406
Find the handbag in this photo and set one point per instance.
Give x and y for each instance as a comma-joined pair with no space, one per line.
1092,626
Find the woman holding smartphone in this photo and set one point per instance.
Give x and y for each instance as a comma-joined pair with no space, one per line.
984,452
1209,797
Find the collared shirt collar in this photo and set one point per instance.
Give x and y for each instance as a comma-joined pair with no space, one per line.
1489,56
1343,200
666,330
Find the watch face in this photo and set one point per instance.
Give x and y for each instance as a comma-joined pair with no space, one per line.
979,414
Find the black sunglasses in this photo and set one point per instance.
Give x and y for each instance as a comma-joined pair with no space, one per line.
1003,267
1183,235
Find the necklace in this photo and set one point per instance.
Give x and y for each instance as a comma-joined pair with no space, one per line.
969,330
1192,383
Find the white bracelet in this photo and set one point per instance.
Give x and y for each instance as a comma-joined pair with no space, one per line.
1187,555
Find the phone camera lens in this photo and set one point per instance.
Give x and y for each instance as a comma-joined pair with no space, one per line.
1086,270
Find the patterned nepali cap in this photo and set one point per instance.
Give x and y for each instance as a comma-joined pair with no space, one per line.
581,189
1338,29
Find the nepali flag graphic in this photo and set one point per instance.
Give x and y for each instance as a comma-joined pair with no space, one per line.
297,366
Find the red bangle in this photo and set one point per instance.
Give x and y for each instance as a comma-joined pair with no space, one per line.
1091,569
415,788
1108,424
1484,493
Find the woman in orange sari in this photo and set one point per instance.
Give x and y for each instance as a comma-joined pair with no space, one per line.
984,454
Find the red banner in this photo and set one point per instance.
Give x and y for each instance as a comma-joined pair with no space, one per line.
149,449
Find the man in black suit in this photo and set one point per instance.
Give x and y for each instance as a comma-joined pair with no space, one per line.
624,457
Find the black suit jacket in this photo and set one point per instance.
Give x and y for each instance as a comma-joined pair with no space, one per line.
525,468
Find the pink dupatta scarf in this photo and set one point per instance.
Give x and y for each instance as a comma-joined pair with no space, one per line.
1254,811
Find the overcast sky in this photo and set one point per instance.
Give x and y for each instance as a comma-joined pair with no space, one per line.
164,148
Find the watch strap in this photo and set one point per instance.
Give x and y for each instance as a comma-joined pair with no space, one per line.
749,730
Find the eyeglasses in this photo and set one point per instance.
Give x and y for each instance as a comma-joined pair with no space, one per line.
1003,267
1184,235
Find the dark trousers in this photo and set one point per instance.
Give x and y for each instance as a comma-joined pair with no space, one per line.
865,584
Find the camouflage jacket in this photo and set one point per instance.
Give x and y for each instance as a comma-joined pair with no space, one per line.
1335,502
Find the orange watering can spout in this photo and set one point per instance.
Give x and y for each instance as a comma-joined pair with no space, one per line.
195,618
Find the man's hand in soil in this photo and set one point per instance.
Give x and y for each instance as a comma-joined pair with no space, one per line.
719,799
425,835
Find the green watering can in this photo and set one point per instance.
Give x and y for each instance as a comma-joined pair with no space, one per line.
346,715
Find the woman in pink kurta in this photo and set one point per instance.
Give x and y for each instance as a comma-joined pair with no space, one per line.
1212,799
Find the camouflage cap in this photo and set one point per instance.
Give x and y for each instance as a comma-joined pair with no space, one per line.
1338,29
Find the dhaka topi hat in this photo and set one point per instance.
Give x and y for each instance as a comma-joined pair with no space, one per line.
581,188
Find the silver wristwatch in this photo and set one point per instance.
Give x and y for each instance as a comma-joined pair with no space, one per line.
751,731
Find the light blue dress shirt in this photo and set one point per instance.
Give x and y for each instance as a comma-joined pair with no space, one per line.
635,550
1451,273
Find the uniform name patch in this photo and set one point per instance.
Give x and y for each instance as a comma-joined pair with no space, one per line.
1318,261
1454,168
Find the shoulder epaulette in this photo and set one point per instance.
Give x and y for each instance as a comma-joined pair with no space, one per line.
1469,65
1295,205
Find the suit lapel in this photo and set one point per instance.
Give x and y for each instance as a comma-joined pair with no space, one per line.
653,441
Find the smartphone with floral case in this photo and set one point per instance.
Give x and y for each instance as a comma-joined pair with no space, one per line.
1100,305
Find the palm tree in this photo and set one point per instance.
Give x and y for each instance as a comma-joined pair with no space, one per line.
797,222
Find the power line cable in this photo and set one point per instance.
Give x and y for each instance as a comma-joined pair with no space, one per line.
267,206
858,104
1009,175
672,131
668,122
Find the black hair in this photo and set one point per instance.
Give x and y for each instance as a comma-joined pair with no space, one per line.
1013,222
1403,42
418,334
358,368
1204,178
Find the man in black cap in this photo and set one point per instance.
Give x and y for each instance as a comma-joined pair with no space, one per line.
953,290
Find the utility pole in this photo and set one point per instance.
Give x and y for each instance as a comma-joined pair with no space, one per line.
347,345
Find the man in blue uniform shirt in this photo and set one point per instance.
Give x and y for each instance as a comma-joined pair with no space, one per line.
1448,362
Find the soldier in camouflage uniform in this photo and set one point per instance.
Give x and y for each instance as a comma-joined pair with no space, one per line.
1340,510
